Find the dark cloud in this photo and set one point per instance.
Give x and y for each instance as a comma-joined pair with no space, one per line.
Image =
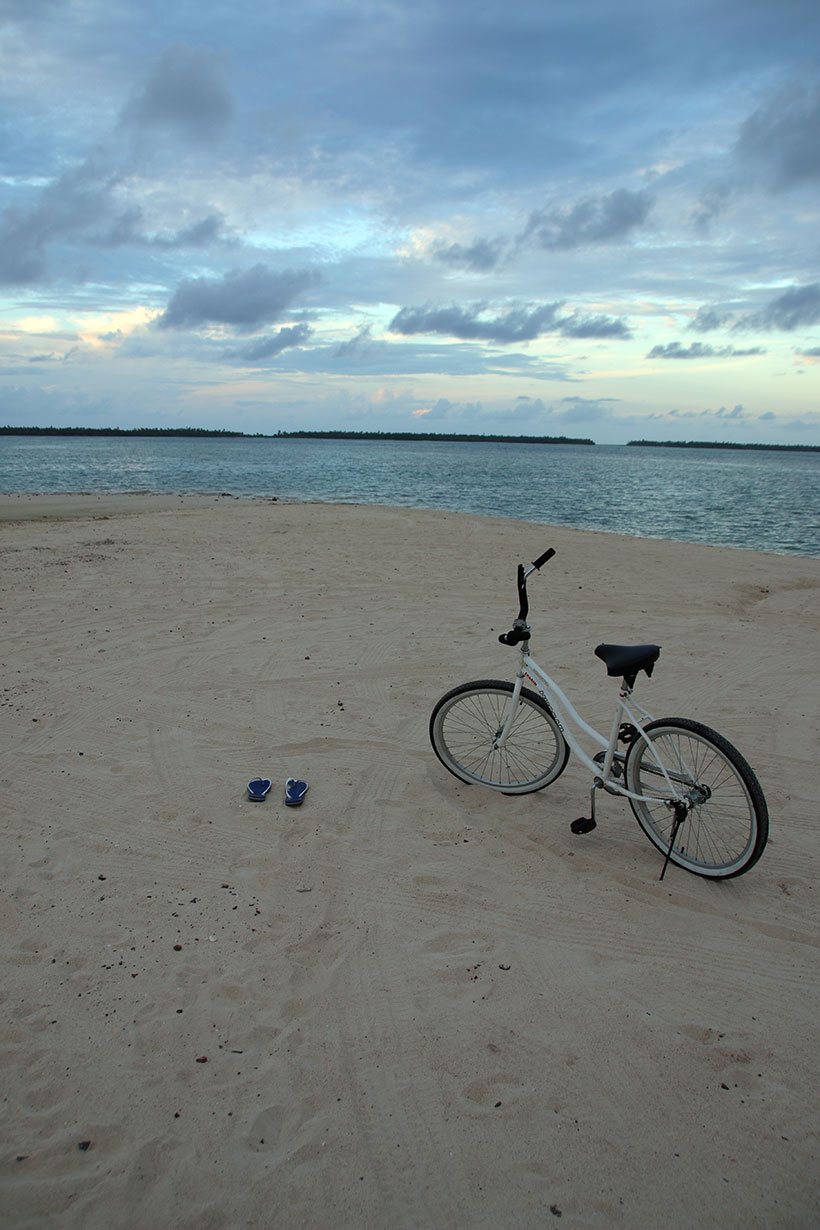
777,147
792,310
69,208
710,318
128,229
736,413
481,256
269,347
22,259
122,230
711,204
81,206
796,308
783,137
578,325
354,345
185,92
700,350
530,90
517,324
243,298
594,220
813,352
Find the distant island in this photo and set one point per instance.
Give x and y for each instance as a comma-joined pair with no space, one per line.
459,437
118,431
783,448
201,432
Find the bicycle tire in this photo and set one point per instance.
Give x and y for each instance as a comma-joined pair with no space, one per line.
466,721
727,824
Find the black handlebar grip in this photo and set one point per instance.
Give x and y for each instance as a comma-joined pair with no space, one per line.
514,637
542,559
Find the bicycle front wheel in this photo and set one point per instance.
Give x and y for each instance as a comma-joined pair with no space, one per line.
727,822
465,726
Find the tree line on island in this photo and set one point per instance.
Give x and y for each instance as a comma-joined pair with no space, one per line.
442,436
220,433
725,444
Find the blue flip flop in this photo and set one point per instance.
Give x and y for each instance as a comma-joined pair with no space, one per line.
295,791
258,788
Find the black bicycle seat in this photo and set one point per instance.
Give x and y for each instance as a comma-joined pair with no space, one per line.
627,660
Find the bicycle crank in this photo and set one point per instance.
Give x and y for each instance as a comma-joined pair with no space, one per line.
585,824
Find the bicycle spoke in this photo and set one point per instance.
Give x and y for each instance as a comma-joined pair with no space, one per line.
725,826
466,727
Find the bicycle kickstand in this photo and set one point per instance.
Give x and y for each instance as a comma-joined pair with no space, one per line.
680,816
585,824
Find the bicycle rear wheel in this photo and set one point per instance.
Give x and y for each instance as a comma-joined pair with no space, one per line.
727,821
467,721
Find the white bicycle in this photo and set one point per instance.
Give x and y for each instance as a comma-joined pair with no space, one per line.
693,794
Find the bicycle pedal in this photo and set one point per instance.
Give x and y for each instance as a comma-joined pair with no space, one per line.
584,824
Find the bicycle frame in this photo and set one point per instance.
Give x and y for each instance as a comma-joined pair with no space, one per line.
567,717
693,794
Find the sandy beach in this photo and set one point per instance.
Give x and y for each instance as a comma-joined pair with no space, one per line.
407,1003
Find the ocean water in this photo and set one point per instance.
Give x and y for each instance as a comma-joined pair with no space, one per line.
767,501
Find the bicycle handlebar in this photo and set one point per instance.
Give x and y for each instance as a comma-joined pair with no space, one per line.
542,559
519,631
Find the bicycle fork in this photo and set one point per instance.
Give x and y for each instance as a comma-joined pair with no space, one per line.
507,723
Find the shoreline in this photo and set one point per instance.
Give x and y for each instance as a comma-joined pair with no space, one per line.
36,506
69,505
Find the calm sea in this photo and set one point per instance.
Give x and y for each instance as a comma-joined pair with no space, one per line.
766,501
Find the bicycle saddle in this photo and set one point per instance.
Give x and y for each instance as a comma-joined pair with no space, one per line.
627,660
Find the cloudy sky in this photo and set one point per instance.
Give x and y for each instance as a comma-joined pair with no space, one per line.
570,217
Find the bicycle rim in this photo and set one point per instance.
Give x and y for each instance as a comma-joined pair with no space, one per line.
726,825
465,725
